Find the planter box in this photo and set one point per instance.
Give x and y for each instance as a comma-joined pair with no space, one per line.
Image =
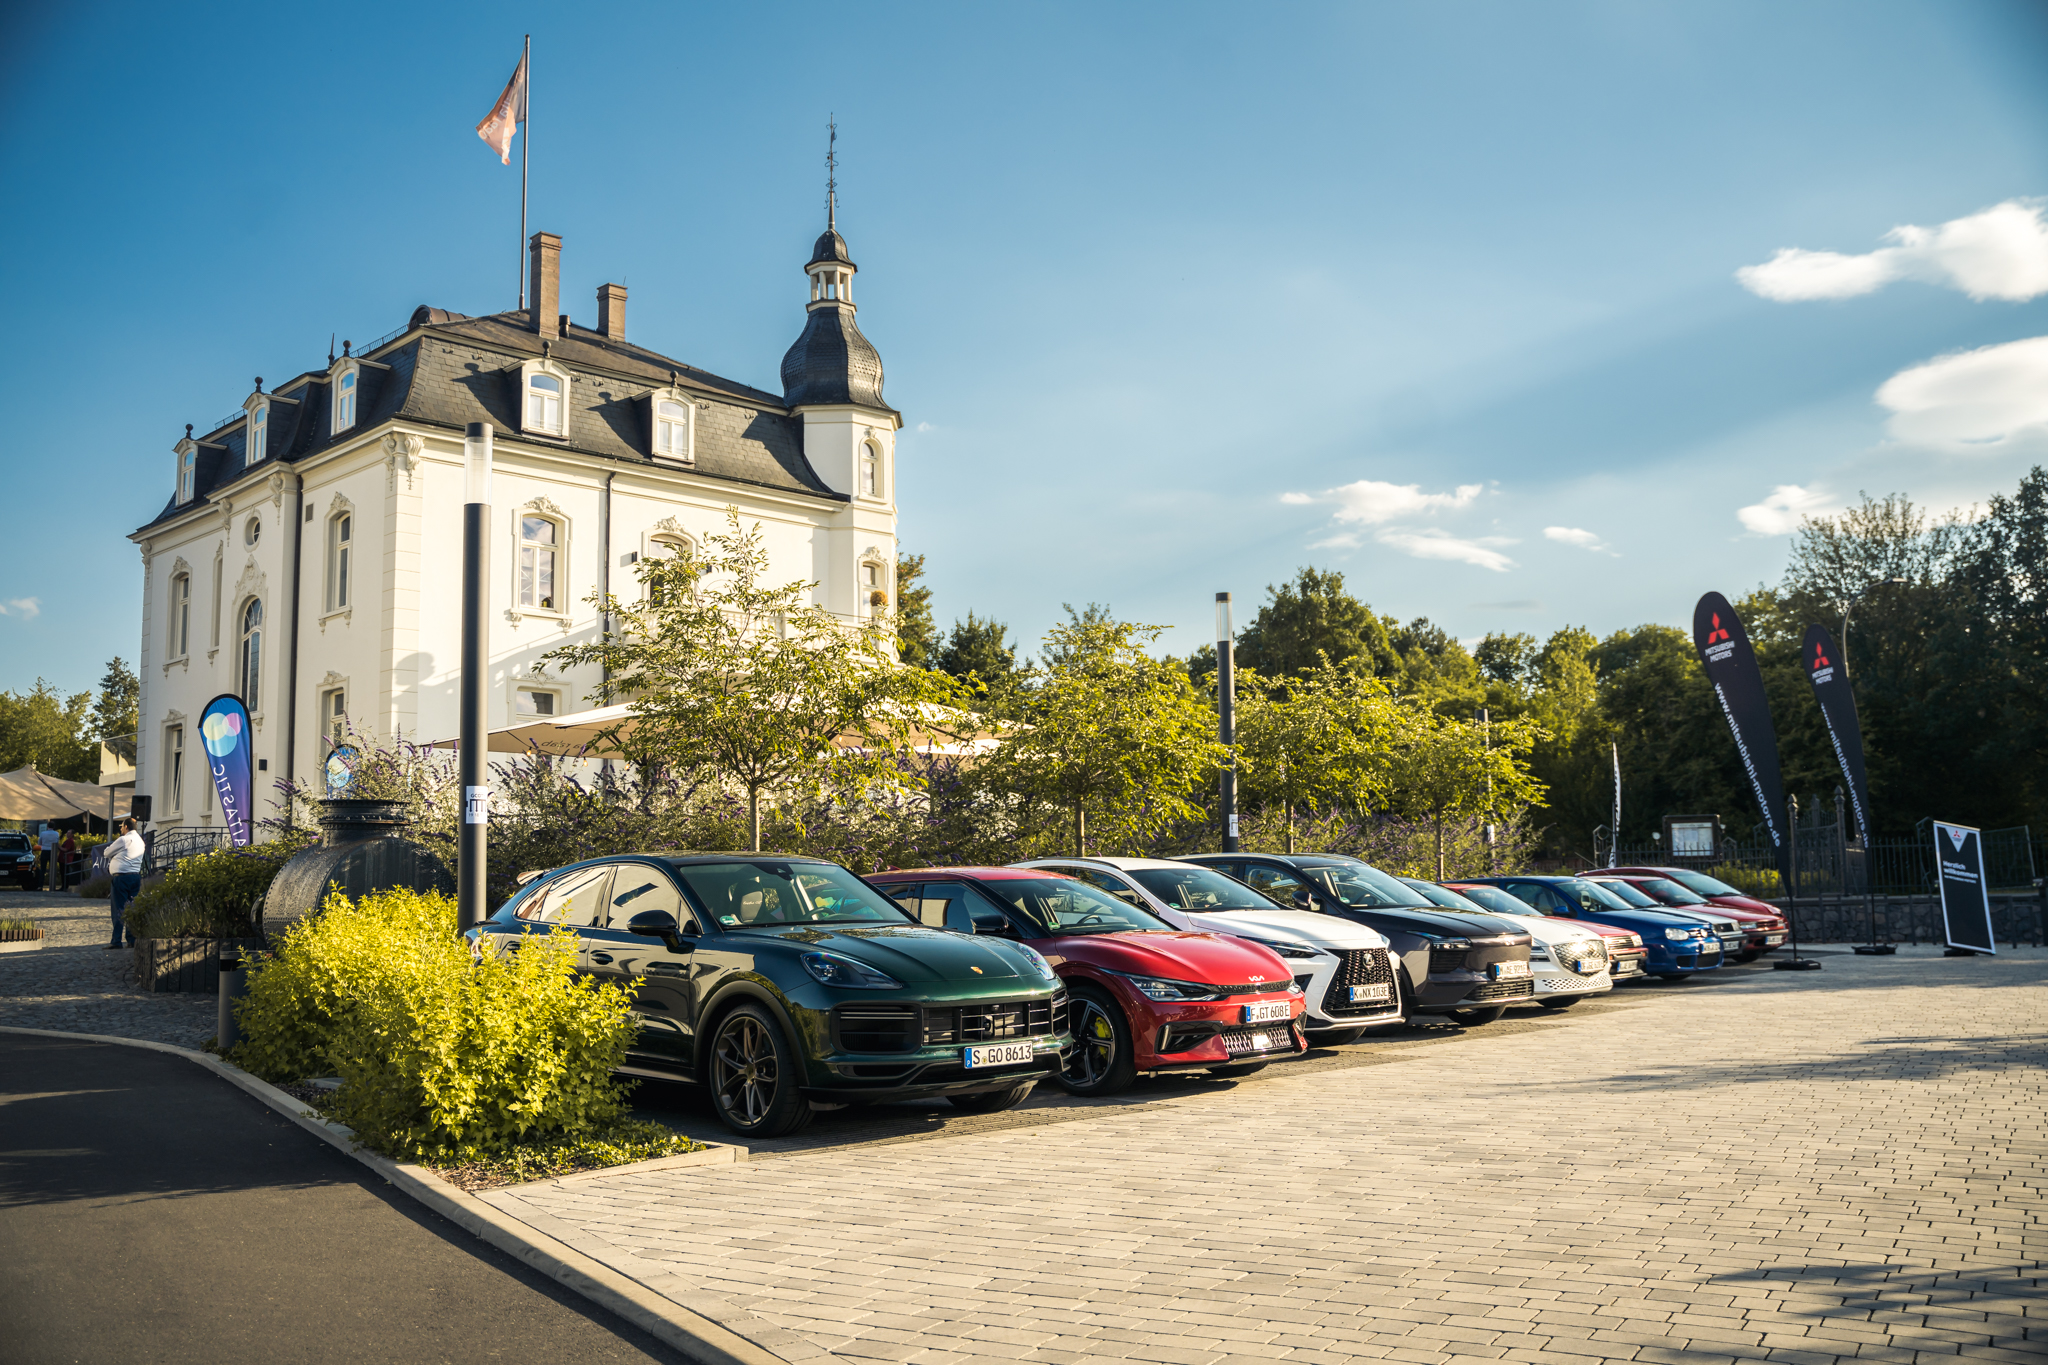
17,941
183,964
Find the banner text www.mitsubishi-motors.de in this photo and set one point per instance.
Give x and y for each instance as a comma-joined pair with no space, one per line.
1838,708
1731,667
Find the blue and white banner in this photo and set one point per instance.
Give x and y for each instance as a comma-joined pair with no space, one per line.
224,733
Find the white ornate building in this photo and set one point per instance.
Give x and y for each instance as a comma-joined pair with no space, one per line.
310,559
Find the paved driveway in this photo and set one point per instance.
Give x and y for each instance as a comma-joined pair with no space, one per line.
1808,1167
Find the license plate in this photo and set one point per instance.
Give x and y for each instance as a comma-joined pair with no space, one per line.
1380,991
1506,971
1774,938
1268,1011
998,1054
1710,949
1628,968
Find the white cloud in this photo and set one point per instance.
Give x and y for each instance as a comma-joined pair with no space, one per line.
1435,544
1369,502
1998,253
1975,398
1779,513
1572,535
27,608
926,426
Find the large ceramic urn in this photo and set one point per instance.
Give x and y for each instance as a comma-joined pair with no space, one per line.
364,850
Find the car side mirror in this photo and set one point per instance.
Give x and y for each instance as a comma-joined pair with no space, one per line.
1306,899
657,924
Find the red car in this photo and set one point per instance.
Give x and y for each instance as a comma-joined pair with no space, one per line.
1143,996
1763,924
1626,955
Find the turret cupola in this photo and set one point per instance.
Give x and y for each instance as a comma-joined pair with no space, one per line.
831,362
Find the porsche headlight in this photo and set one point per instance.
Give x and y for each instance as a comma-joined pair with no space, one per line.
836,969
1038,961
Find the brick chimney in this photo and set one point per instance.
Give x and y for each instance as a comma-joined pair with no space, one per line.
611,311
544,292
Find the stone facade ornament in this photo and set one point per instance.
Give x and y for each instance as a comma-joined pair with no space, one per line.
542,504
401,450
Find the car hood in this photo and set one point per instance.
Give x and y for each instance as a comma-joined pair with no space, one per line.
1444,923
914,953
1299,926
1745,904
1177,956
1549,929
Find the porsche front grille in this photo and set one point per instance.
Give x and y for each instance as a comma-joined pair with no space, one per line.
994,1022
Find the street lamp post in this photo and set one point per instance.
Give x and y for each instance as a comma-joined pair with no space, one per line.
476,791
1226,712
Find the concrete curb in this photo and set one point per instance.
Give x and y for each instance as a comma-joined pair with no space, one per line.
695,1335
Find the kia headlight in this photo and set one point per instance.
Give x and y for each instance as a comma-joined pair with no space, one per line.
1285,947
836,969
1160,988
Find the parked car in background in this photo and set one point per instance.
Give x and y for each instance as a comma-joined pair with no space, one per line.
1462,967
1345,970
1679,945
1567,960
1627,958
786,984
1143,995
1667,895
1762,924
18,858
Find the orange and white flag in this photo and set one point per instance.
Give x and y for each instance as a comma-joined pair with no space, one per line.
505,116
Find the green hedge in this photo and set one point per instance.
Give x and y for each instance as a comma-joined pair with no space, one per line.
442,1056
209,895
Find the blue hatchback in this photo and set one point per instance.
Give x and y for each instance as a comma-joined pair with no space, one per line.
1679,944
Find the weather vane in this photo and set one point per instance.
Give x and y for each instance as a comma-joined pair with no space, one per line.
832,174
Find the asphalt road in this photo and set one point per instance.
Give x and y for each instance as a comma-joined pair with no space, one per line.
149,1211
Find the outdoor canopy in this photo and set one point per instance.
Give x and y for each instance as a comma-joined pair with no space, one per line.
26,794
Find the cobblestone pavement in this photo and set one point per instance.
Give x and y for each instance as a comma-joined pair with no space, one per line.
1798,1167
74,984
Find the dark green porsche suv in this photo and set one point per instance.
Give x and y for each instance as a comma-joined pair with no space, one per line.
787,985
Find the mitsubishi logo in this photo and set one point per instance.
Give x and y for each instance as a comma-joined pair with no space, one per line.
1820,655
1717,634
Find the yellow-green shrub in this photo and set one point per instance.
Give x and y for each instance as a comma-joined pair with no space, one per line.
441,1056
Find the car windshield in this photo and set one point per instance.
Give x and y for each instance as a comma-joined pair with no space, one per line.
740,895
1625,892
1354,883
1671,893
1058,906
15,843
1700,884
1578,889
1199,889
1443,898
1494,899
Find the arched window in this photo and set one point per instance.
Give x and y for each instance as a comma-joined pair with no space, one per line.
252,654
544,403
873,589
181,615
345,401
667,547
340,551
671,429
538,544
334,716
870,471
259,433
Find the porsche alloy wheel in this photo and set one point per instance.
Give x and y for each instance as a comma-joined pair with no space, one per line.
754,1076
1101,1062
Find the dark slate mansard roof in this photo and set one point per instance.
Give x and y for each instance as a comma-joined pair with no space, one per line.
831,361
451,370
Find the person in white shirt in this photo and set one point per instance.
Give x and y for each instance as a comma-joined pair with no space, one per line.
46,856
124,863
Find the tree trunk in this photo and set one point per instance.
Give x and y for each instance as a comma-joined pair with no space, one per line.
754,815
1287,809
1080,830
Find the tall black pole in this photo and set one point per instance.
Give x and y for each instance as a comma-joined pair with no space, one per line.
476,792
1796,963
1226,712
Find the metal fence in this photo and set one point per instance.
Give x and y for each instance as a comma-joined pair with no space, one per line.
2015,919
172,847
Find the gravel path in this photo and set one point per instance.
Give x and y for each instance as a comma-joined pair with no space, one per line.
74,984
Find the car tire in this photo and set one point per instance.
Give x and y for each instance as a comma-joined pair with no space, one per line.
1336,1037
1103,1061
1478,1016
1237,1072
991,1101
1564,1002
754,1075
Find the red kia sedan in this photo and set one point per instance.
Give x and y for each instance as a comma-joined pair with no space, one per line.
1762,924
1143,996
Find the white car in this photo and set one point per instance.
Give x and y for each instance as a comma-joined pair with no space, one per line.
1344,969
1567,961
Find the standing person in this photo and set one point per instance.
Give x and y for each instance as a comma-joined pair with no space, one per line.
67,858
124,864
46,853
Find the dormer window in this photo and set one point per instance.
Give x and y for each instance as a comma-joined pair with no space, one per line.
257,442
544,406
188,471
347,378
674,417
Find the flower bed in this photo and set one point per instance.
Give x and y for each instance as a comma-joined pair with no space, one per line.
20,936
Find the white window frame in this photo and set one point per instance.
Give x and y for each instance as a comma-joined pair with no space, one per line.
867,590
347,380
188,469
870,474
527,685
527,371
173,791
329,716
341,559
181,614
252,531
249,671
256,431
656,424
560,550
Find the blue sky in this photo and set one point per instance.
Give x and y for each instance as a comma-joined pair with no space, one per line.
1174,298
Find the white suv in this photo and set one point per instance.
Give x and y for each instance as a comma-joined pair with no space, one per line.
1343,968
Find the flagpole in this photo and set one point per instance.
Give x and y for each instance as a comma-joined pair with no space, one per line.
525,156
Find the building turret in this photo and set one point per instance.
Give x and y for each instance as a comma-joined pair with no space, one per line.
832,362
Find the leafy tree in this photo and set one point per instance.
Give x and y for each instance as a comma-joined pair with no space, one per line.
753,684
1317,742
1435,669
46,729
917,633
978,648
1310,618
117,710
1447,770
1110,730
1507,659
